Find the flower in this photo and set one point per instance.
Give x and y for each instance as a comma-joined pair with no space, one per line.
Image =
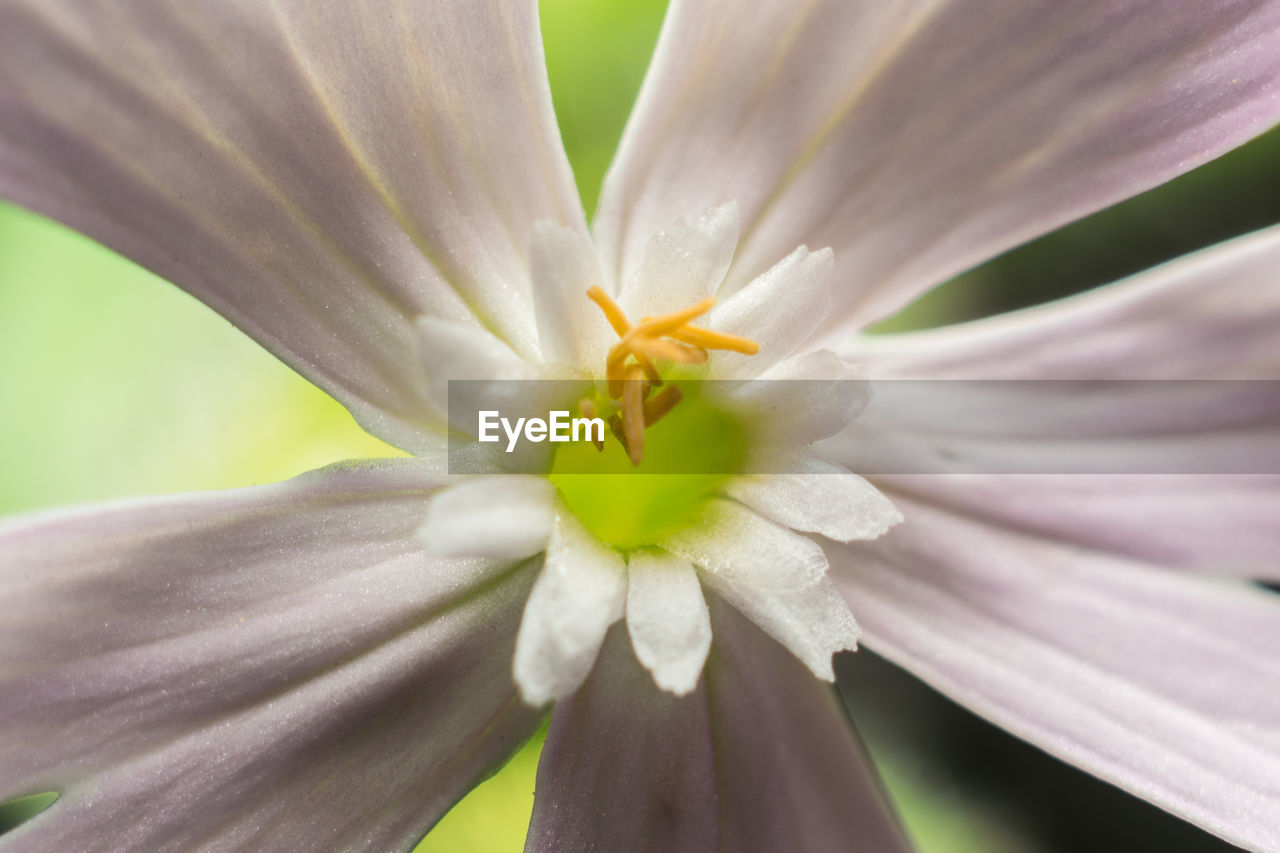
379,197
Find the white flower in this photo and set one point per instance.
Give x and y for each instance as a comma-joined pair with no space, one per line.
778,579
377,194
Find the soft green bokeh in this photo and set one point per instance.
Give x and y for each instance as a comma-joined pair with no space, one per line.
597,53
114,383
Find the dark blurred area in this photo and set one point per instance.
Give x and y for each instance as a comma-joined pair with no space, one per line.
968,764
1233,195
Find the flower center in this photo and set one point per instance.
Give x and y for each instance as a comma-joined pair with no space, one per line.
673,447
630,371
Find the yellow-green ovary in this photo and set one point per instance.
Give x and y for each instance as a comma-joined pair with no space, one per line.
687,455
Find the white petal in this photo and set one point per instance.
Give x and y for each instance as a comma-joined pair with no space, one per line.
797,402
1162,683
580,593
819,497
504,516
667,619
683,264
778,310
918,138
450,350
1214,525
571,329
1209,315
270,668
776,791
1212,315
319,174
777,578
760,758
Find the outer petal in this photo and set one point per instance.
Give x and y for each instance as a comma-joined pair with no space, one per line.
317,172
760,758
1212,315
919,138
220,669
1162,684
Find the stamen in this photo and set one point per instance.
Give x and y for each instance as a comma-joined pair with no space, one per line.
633,414
650,372
667,323
661,403
613,371
670,350
588,410
615,427
612,312
708,339
669,337
621,326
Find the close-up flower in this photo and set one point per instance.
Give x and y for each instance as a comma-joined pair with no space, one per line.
378,195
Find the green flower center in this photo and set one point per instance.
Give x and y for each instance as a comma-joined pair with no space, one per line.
687,456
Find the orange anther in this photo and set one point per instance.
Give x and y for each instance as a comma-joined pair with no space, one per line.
629,369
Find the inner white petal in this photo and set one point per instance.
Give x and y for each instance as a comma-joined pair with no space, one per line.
798,401
775,577
682,265
579,594
667,618
450,350
818,497
780,310
505,517
563,267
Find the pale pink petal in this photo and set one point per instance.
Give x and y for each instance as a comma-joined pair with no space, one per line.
761,757
1214,525
919,138
1160,683
626,766
319,172
225,669
1210,316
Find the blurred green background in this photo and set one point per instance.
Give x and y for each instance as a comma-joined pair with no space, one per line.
114,383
